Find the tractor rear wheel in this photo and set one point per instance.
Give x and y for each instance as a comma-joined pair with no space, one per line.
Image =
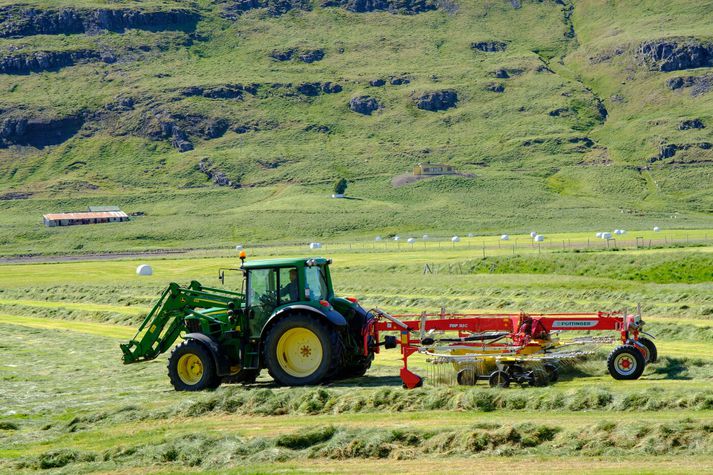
653,353
626,362
300,350
191,367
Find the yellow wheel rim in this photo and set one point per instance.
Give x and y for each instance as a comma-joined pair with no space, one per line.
190,369
299,352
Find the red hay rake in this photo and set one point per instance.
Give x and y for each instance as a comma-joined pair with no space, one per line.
511,347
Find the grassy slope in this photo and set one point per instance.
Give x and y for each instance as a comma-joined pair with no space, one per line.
516,186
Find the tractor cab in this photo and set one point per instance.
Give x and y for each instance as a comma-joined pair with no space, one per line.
276,284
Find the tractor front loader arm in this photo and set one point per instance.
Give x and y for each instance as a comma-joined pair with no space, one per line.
166,320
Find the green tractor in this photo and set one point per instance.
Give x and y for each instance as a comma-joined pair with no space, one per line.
286,319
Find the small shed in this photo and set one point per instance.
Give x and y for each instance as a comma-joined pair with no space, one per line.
72,219
433,169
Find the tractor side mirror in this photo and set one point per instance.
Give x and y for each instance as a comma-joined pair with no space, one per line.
221,276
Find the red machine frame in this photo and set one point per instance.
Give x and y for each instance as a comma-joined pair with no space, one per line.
472,323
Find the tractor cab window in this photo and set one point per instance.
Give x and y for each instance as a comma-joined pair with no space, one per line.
289,285
316,285
262,288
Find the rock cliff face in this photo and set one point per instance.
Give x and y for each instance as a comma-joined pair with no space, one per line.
676,54
18,21
37,131
408,7
234,8
25,63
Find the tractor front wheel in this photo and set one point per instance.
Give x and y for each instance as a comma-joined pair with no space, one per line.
300,350
626,362
191,367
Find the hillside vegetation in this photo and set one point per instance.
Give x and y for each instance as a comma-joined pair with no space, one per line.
229,121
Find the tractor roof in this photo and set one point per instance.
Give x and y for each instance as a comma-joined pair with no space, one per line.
285,262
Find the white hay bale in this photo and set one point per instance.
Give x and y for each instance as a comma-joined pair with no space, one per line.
239,247
619,232
425,237
411,240
505,237
539,238
455,239
470,234
377,238
656,229
144,269
533,234
315,245
599,234
606,235
396,238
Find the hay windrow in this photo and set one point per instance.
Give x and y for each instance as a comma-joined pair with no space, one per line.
685,436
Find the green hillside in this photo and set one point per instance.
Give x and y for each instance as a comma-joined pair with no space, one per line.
229,121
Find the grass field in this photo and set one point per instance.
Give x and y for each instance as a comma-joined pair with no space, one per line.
70,405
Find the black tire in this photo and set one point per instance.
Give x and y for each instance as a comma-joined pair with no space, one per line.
184,362
330,347
467,377
552,372
358,369
499,379
626,362
651,347
539,378
244,376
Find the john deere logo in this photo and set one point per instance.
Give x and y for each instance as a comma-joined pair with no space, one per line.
574,323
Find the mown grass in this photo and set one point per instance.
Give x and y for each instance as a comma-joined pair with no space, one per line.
69,403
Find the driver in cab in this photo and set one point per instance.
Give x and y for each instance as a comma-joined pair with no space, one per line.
291,290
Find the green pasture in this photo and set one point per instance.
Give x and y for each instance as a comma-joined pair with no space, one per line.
69,404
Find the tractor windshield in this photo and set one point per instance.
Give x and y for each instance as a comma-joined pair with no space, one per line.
316,285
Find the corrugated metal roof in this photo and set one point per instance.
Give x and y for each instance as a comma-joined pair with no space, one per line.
86,215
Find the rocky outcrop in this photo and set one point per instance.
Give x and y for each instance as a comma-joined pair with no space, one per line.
489,46
676,54
18,21
38,61
377,82
15,195
178,128
691,124
316,88
38,132
698,84
364,104
437,100
215,175
404,7
669,150
495,87
232,9
399,80
304,55
226,91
